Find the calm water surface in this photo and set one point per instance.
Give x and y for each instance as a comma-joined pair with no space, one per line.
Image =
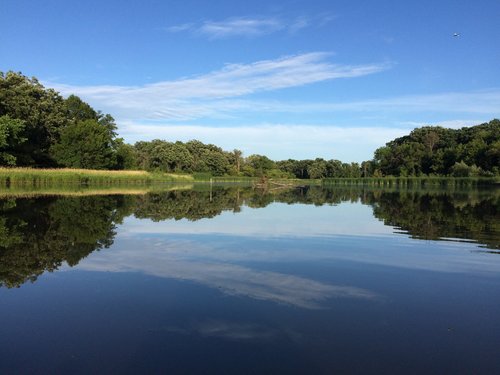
233,280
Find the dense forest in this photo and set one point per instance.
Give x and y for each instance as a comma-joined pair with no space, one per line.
39,128
472,151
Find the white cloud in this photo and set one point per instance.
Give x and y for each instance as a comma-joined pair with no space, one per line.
478,102
180,28
187,108
250,26
168,260
199,96
220,94
481,101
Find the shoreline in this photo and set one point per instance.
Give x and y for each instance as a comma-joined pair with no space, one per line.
61,178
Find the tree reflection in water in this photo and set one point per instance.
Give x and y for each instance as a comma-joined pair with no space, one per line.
39,234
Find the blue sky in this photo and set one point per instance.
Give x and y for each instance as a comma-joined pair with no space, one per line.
295,79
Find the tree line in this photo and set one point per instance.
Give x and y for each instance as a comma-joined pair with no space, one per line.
40,128
433,150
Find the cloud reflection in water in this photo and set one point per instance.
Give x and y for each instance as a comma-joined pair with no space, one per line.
167,260
226,330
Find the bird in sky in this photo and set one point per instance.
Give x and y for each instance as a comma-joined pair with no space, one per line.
456,34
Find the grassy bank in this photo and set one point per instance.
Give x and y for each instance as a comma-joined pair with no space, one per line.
36,178
412,181
58,177
77,191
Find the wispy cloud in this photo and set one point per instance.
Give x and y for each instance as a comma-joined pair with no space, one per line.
249,26
478,102
196,97
221,94
482,103
188,108
180,28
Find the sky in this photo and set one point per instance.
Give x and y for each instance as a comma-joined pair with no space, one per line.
287,79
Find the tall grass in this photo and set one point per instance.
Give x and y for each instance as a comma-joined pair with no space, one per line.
412,181
207,177
58,177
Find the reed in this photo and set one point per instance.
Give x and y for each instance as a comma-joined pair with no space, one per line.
60,177
390,181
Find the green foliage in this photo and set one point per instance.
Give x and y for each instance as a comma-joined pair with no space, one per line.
43,112
432,216
434,150
39,235
164,156
39,128
463,170
126,155
260,164
52,178
413,182
78,110
11,131
236,159
193,156
319,168
85,144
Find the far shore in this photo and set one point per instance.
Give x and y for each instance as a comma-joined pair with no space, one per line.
60,178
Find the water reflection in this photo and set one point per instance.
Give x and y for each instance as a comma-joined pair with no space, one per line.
227,330
169,260
430,215
40,234
463,215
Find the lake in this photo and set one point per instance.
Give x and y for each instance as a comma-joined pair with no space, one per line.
229,279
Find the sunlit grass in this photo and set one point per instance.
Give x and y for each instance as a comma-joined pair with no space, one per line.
43,177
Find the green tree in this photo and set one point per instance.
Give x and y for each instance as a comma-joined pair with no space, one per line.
11,136
85,144
78,110
367,168
317,169
126,155
236,158
463,170
437,150
260,163
43,111
216,162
